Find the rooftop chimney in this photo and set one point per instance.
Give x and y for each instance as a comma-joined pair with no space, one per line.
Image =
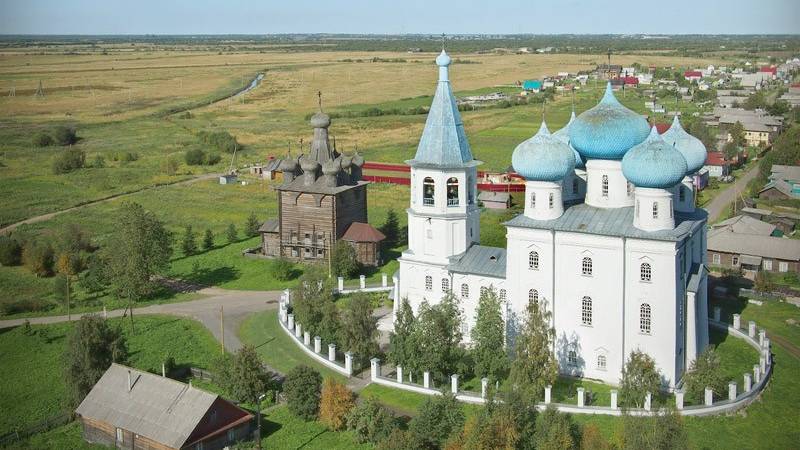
130,381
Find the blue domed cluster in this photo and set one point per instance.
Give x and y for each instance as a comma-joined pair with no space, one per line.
563,135
690,147
608,130
654,163
543,157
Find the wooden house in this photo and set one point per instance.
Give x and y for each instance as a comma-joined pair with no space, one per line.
367,242
128,408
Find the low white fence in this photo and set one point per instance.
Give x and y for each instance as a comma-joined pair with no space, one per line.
362,285
753,384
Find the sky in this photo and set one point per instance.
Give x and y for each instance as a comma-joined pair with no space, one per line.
399,16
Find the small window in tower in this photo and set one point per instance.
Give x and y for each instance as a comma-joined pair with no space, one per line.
681,194
533,260
645,272
428,283
465,290
445,285
644,318
427,191
655,210
502,295
586,266
605,186
670,208
452,191
550,201
533,199
575,185
533,297
601,362
586,311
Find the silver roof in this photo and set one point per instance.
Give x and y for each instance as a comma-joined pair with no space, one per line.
582,218
480,260
159,408
726,241
746,225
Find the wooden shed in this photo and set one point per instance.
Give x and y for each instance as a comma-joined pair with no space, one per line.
128,408
367,242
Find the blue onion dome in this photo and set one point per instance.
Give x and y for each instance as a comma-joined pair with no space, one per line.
654,163
543,157
563,135
443,59
690,147
608,130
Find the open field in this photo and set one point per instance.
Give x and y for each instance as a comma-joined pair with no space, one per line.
33,385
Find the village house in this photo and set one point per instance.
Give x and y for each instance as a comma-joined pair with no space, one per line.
784,182
716,165
692,75
129,408
495,200
752,252
608,71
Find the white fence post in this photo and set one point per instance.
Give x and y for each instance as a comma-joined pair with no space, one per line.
298,330
761,335
548,393
454,383
291,322
751,329
340,283
426,379
362,281
679,400
307,339
709,396
766,345
748,382
384,280
762,364
756,374
331,352
317,344
375,368
732,390
399,374
648,398
737,321
613,399
105,313
484,385
717,313
348,363
581,399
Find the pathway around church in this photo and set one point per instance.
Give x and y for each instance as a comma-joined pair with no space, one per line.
718,204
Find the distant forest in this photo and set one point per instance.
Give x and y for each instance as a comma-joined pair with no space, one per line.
677,45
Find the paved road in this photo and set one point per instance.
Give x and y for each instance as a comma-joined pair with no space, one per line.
49,216
718,204
236,306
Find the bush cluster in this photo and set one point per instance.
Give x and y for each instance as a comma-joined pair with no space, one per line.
197,157
60,135
219,140
69,160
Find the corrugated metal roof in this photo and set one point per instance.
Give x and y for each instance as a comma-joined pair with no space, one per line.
726,241
480,260
362,232
747,225
583,218
270,226
159,408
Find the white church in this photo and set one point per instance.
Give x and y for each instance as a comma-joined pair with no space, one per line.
609,242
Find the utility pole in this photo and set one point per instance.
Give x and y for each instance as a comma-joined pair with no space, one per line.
222,327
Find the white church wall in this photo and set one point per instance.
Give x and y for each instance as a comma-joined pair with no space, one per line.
469,304
520,278
413,283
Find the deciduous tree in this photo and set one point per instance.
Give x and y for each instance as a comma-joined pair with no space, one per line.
437,337
189,241
370,421
93,345
243,376
437,419
639,376
302,391
402,350
553,430
534,366
335,403
344,261
488,341
208,240
705,371
359,328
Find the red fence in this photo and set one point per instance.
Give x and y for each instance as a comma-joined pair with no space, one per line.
377,166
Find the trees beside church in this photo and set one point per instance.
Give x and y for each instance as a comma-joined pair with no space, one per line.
535,365
488,338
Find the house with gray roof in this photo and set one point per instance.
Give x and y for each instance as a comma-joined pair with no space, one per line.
752,252
744,224
129,408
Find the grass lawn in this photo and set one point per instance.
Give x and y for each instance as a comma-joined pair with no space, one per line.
275,347
68,436
281,429
405,402
33,385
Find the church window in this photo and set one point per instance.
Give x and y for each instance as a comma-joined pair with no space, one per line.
655,210
484,291
575,185
605,186
644,318
452,191
586,266
681,194
586,311
428,283
670,208
550,201
502,295
533,260
645,272
533,199
572,357
427,191
601,362
533,297
445,285
465,290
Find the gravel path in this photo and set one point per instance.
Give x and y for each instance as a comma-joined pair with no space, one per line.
718,204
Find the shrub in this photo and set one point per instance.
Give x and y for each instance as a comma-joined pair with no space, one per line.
282,269
220,140
335,403
189,242
344,260
639,376
169,166
98,162
64,135
705,371
370,421
213,158
10,251
251,225
195,157
38,256
24,306
69,160
231,234
129,157
302,391
42,139
437,419
400,439
208,240
553,430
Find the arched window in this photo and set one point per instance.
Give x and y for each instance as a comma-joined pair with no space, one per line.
445,285
533,297
452,191
644,318
681,194
586,266
550,201
502,295
586,311
427,191
533,260
465,290
572,357
484,291
655,210
533,199
605,186
601,362
575,185
645,272
428,283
